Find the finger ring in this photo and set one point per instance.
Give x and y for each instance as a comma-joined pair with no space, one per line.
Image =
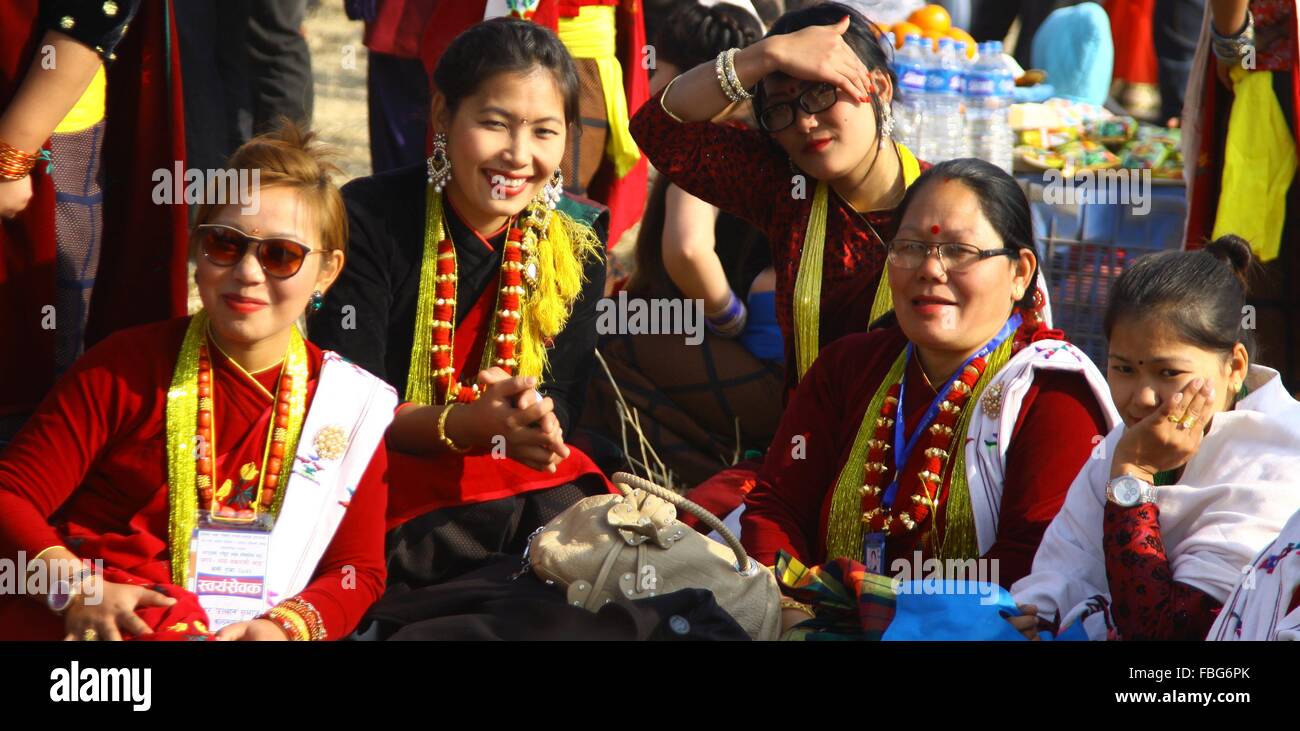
1173,419
1187,422
90,635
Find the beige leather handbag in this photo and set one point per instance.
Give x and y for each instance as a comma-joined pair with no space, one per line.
633,546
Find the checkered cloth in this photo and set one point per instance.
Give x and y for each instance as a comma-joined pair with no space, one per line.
850,602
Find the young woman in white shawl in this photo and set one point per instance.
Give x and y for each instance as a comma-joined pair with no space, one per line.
1158,529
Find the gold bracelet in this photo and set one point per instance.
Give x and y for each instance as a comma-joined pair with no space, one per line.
306,612
664,95
442,430
290,624
14,163
787,603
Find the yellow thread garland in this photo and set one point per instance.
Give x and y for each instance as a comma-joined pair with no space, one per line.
419,380
182,418
560,260
844,524
844,534
808,280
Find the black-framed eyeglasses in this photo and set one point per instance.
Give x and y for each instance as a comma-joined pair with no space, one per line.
953,257
780,115
225,246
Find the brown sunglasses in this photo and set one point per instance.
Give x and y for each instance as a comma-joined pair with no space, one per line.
225,246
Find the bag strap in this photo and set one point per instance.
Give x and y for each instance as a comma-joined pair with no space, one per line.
627,483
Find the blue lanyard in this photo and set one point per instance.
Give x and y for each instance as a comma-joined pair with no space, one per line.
901,456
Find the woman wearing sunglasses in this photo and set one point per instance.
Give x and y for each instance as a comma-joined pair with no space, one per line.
215,475
954,432
821,178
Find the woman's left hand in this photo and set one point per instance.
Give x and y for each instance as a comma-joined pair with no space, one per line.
258,629
1168,437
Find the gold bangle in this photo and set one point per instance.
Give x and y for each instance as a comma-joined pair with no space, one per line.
663,95
14,163
442,430
306,613
293,626
787,603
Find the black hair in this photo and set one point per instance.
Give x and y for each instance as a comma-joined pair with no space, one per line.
694,33
505,45
1200,295
1001,199
769,10
863,36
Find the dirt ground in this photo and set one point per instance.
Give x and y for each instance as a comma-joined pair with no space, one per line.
338,61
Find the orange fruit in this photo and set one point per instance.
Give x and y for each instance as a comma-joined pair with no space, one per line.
935,36
932,18
903,30
957,34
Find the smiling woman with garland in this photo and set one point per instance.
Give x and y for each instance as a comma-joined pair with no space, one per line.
472,288
211,430
950,434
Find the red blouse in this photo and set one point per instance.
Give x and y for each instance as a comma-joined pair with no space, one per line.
89,472
746,174
789,507
1146,602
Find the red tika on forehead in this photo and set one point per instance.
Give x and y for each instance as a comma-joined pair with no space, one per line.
935,229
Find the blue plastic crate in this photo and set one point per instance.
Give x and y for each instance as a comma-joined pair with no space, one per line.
1083,248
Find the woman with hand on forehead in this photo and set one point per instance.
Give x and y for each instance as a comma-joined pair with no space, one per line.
821,178
953,432
472,287
167,442
1198,479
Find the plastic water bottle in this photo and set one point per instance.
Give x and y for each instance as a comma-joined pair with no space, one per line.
909,68
941,129
966,63
987,101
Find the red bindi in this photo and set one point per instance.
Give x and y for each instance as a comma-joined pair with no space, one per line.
935,229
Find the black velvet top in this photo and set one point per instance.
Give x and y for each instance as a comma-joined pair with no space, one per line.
99,24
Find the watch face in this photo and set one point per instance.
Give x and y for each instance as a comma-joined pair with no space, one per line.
60,596
1127,491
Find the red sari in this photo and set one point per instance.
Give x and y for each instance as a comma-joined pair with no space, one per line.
89,472
142,271
788,508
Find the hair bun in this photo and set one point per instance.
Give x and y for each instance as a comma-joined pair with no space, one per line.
1235,252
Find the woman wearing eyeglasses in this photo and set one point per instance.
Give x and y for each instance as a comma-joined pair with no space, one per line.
821,178
954,432
215,475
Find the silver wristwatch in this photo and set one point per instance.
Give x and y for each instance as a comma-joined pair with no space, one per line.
1127,491
63,592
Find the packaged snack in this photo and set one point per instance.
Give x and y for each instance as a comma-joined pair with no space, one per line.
1045,138
1115,131
1145,155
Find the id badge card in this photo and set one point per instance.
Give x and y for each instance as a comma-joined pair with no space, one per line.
229,573
873,553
